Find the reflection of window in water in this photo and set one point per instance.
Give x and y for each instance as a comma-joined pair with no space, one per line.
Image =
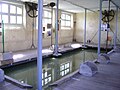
64,69
46,78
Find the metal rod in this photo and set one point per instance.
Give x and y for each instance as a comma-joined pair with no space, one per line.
39,59
56,31
3,42
32,45
51,25
115,34
85,27
99,30
108,27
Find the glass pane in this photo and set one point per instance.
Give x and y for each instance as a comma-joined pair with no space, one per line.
46,81
49,21
42,83
19,19
67,17
63,16
67,70
66,65
0,19
49,14
62,23
46,21
61,67
0,7
62,73
45,74
19,10
45,14
42,75
12,19
5,18
5,8
49,79
68,23
12,9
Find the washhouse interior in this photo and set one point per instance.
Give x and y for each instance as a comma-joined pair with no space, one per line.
77,30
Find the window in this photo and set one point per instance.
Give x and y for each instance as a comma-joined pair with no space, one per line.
11,14
46,20
65,21
46,77
64,69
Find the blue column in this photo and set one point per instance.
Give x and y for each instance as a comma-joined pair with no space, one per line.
56,31
85,27
39,59
99,29
115,34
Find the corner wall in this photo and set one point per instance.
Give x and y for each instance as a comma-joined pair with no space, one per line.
92,28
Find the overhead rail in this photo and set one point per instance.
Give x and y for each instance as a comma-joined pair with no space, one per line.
115,4
79,6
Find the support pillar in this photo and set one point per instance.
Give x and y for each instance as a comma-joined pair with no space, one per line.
115,34
99,30
3,37
39,59
85,27
56,54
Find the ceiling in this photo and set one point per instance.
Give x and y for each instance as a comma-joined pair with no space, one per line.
79,5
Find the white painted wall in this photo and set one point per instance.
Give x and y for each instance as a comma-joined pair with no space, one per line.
92,27
21,39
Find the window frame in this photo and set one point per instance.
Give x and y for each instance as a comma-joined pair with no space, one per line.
65,26
9,14
63,71
45,18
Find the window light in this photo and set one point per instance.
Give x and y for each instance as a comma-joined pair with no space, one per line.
5,8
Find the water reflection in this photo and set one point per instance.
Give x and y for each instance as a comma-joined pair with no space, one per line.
52,69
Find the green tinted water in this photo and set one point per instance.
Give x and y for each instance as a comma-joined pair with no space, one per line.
53,68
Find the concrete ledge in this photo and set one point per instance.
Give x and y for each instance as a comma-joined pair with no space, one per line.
17,83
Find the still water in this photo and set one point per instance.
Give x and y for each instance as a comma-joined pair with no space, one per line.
53,68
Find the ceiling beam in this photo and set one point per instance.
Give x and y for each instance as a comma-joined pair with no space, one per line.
79,6
115,4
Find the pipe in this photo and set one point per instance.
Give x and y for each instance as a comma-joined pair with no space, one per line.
99,30
56,31
51,25
108,27
39,58
115,34
3,42
85,27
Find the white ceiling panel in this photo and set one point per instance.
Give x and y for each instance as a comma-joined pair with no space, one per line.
79,5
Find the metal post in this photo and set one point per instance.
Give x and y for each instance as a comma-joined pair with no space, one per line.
32,45
99,30
51,25
108,27
85,27
3,36
56,32
115,34
39,59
